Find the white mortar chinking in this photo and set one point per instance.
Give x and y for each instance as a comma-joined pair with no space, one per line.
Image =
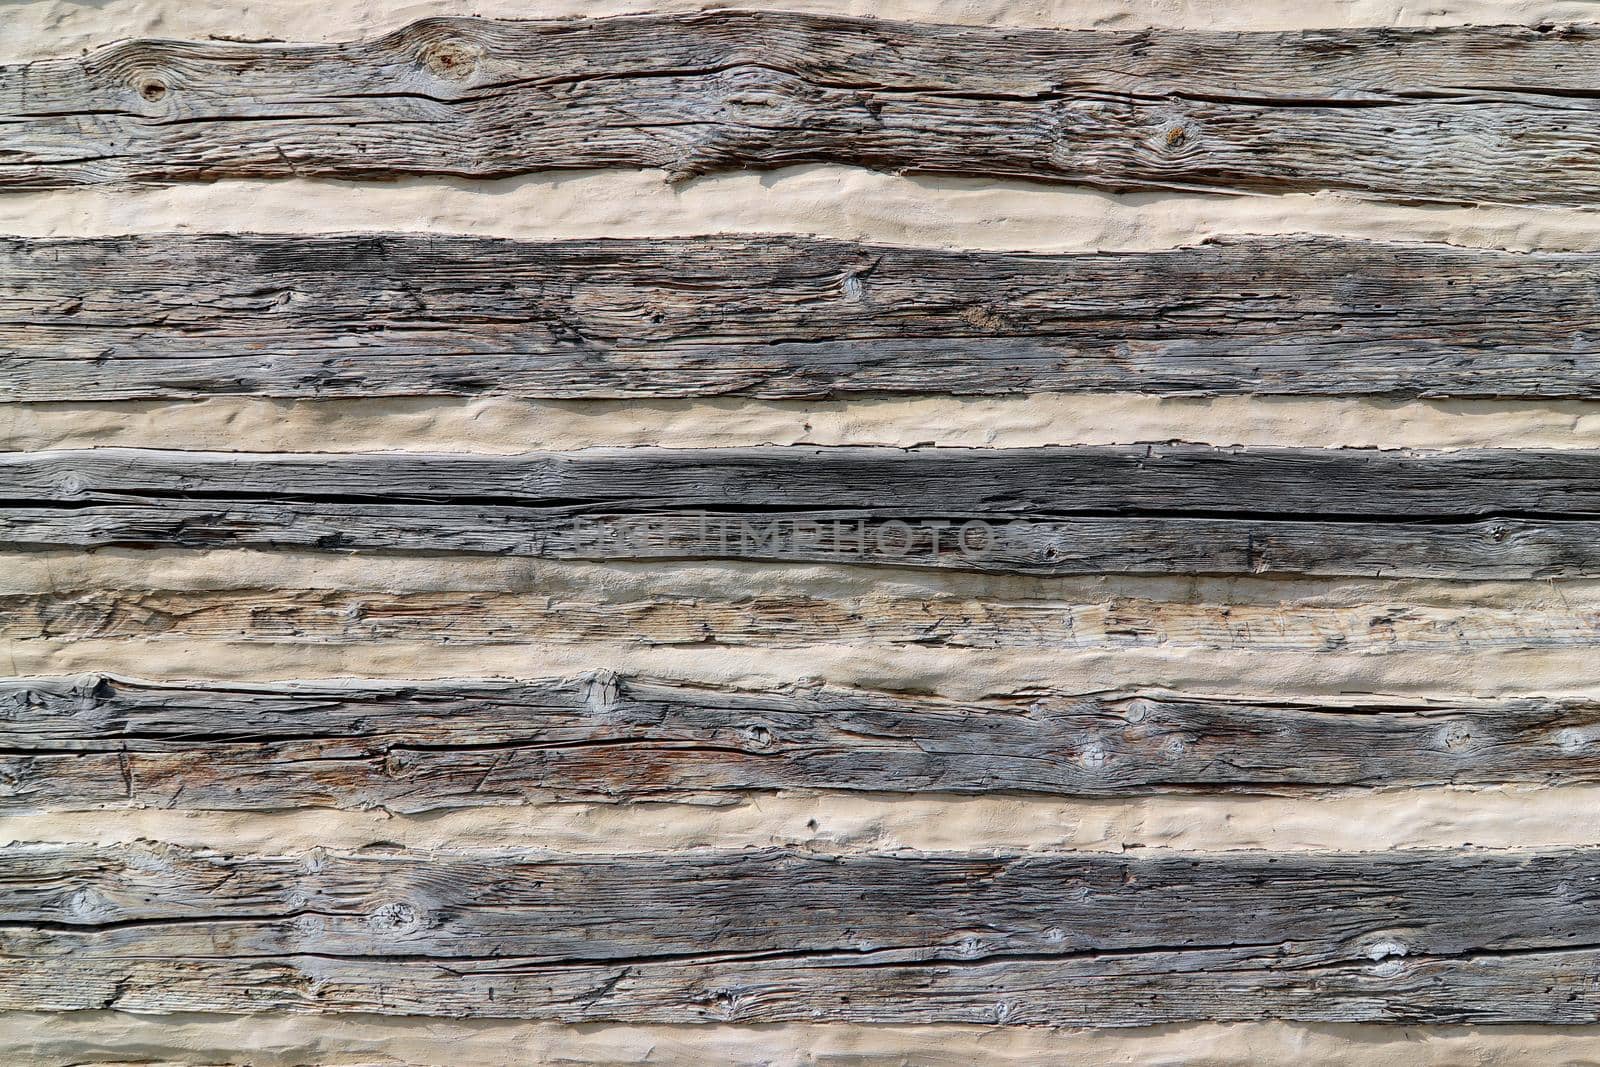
42,29
822,200
505,425
79,1039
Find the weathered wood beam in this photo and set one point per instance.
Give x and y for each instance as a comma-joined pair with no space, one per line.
1460,114
366,615
1060,510
780,317
91,742
764,936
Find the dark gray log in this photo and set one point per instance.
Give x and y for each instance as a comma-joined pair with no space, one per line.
78,743
1449,115
1155,509
771,317
1088,480
763,936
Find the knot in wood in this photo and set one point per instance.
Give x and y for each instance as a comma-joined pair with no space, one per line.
1571,740
1457,737
394,917
87,904
451,59
1172,136
1384,949
723,1001
1387,958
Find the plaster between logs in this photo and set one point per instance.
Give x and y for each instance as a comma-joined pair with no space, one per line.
506,425
44,29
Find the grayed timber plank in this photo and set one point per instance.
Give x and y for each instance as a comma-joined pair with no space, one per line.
771,935
1109,990
1448,115
1503,513
782,317
1499,548
88,742
1075,480
364,615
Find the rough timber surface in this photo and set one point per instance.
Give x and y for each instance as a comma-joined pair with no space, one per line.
776,935
1483,513
88,742
357,615
1452,115
173,316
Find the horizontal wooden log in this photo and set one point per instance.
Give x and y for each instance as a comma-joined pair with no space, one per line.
1157,509
1090,480
1447,115
776,317
92,742
767,936
356,616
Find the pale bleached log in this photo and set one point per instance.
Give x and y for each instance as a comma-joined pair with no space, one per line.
785,620
1451,115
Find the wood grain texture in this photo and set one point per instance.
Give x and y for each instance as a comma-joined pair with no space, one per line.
1443,115
1501,513
766,936
90,742
175,316
776,620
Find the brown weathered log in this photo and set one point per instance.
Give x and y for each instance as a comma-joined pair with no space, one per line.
776,317
1081,940
1060,510
89,742
1454,115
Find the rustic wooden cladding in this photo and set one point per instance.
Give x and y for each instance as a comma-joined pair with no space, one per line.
1061,510
1462,115
762,936
783,317
90,742
777,620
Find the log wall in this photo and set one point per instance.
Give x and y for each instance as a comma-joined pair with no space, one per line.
822,533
